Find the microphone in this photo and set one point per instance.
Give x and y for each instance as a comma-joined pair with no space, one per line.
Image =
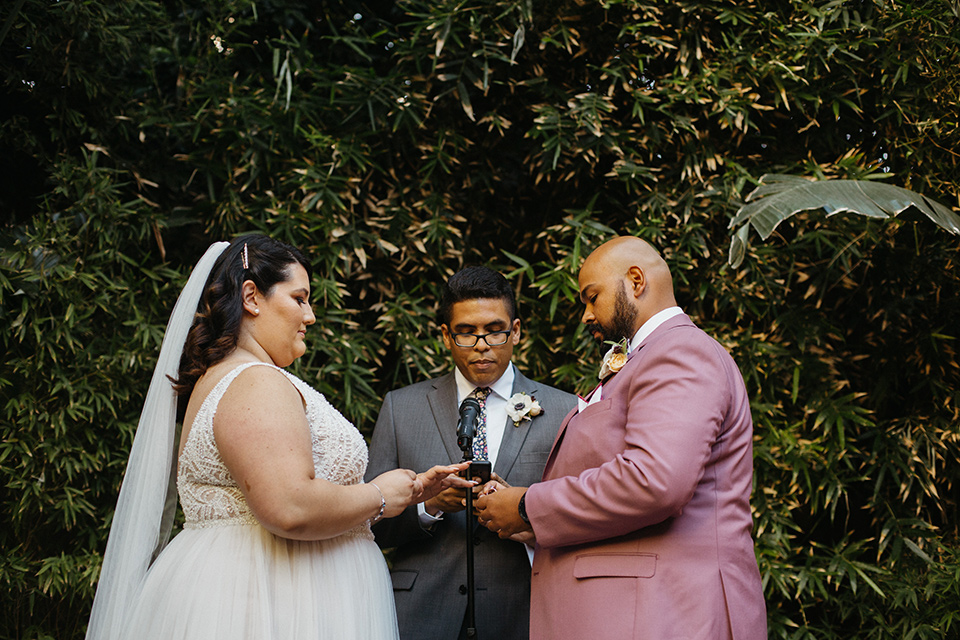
467,427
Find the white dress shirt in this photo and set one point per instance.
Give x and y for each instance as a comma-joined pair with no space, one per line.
496,407
651,325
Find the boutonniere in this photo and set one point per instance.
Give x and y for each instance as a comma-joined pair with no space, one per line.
615,358
522,407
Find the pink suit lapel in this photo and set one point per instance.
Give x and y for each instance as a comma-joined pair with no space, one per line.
672,322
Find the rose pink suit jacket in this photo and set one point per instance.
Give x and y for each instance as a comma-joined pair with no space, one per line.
643,518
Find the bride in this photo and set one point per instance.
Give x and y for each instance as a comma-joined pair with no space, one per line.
277,541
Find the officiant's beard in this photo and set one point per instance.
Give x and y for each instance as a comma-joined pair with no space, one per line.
621,325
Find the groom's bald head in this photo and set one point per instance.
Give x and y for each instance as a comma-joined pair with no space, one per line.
623,283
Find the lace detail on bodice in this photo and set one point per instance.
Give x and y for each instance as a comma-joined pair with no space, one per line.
208,493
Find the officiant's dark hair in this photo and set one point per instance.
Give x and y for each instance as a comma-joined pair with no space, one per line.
216,327
472,283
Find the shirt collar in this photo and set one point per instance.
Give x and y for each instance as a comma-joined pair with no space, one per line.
651,324
502,387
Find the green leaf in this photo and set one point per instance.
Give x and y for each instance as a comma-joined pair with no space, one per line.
779,197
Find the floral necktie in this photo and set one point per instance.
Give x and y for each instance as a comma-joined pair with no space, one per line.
480,439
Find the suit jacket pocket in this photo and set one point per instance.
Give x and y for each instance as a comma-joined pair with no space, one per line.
615,565
597,407
534,457
403,579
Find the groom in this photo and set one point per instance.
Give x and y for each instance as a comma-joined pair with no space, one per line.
417,429
642,521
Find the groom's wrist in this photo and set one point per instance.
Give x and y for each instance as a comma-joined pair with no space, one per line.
522,508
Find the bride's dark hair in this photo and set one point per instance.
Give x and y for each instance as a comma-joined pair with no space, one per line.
216,326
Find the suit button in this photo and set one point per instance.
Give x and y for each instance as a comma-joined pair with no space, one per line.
476,542
463,589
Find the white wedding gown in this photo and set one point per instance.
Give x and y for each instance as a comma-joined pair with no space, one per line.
226,577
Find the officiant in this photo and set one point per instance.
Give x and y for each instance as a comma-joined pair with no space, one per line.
416,428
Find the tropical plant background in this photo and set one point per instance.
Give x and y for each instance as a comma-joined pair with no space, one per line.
396,141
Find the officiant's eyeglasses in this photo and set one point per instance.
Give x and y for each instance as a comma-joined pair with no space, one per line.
493,339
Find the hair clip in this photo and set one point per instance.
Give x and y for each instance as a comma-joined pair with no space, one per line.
246,258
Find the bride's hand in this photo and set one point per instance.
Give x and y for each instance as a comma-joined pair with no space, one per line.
436,479
400,488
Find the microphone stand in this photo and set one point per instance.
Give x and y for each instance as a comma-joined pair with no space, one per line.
466,430
471,611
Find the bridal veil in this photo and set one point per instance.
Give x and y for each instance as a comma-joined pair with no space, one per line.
147,503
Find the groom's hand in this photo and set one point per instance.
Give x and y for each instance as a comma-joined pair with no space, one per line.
495,482
498,511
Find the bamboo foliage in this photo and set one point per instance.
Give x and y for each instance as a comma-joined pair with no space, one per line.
397,141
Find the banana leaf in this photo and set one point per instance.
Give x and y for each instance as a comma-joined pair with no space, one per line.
778,197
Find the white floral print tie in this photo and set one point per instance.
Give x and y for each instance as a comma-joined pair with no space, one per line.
480,439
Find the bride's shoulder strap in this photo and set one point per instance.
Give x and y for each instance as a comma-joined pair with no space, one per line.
240,368
221,387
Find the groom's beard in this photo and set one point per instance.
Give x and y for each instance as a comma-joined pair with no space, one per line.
622,323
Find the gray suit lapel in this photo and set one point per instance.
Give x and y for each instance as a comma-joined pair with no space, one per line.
443,404
556,442
514,437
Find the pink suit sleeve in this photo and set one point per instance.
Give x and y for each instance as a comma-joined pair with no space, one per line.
667,412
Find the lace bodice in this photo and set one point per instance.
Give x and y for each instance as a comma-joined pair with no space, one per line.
208,493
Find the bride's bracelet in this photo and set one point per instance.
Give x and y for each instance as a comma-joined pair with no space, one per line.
383,505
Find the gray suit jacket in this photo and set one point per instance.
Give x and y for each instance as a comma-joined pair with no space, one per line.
416,429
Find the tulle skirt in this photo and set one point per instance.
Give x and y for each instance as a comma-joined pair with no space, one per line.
240,582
